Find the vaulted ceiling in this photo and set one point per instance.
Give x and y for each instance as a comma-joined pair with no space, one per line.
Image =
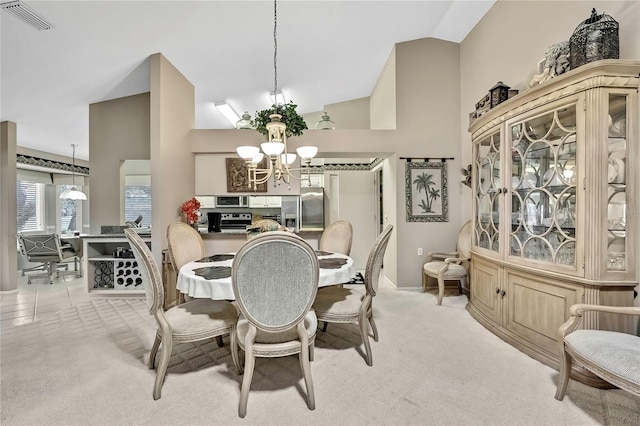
328,52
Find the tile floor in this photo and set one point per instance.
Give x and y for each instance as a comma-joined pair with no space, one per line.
35,301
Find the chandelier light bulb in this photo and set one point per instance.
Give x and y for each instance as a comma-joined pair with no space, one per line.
307,151
288,158
272,148
247,152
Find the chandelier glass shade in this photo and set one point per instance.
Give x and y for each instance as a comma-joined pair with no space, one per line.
275,148
73,193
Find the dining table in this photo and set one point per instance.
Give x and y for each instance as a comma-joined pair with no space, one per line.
210,277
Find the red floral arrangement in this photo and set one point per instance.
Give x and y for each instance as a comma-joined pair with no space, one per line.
191,210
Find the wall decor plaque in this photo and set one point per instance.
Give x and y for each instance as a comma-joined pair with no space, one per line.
238,176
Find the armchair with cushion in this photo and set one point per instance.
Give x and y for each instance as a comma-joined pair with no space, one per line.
450,265
610,355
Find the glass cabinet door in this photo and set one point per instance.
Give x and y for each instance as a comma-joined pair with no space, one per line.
487,188
617,183
543,187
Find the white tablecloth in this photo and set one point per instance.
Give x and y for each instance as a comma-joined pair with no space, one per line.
197,286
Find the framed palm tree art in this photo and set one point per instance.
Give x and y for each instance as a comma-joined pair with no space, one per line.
426,191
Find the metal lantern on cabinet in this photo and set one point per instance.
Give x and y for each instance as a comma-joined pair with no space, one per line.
594,39
498,93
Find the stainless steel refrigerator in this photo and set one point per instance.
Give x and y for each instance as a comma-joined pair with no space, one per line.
311,208
305,211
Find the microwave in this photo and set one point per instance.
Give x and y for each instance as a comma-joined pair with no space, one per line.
232,201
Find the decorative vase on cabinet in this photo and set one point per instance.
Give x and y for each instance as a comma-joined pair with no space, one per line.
554,194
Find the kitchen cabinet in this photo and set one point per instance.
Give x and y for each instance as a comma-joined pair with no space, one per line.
551,186
264,201
108,275
206,201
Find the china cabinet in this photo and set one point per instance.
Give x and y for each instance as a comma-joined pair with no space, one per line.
554,206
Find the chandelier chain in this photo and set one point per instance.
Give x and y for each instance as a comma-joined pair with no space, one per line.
275,47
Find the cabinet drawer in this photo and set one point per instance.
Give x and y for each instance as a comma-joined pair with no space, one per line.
538,307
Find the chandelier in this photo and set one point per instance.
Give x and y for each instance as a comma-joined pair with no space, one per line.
275,148
73,193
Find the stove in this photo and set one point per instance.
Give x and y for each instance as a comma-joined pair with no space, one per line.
235,221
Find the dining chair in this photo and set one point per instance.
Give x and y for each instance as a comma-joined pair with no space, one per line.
337,237
275,281
452,265
184,244
48,251
195,320
337,304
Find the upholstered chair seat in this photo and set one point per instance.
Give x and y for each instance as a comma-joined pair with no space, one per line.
288,339
610,355
338,304
453,271
200,316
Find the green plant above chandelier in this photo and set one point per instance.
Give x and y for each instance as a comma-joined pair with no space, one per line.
277,123
295,123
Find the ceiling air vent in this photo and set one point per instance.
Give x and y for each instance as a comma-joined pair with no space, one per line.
24,12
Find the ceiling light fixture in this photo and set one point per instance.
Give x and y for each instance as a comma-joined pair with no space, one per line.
276,97
228,112
325,123
275,148
26,14
73,193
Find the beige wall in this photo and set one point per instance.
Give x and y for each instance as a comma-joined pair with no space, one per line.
354,114
427,106
172,162
382,100
118,131
355,203
8,225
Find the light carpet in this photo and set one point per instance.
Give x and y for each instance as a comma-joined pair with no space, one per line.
433,365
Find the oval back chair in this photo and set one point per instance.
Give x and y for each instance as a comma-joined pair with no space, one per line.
275,280
337,237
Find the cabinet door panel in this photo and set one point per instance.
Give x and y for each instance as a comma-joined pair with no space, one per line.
485,288
537,308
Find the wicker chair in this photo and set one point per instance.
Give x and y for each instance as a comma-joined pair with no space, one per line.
450,265
344,305
275,280
337,237
610,355
195,320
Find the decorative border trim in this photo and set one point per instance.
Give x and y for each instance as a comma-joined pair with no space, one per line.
50,164
358,167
